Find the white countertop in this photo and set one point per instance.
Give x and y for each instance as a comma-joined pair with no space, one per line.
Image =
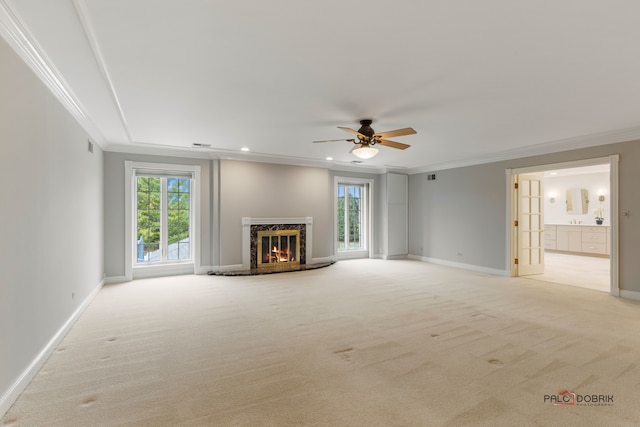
588,224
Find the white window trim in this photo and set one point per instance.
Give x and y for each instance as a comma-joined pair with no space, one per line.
129,241
369,238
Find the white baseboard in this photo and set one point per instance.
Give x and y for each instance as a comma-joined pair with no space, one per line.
204,269
114,279
227,268
634,295
146,272
394,257
472,267
353,255
322,260
38,362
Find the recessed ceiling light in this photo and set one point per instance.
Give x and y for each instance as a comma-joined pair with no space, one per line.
553,173
244,149
329,158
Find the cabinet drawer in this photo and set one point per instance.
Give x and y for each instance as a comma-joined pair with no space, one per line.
594,248
586,229
591,237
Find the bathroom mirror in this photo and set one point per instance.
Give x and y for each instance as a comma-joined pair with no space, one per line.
577,200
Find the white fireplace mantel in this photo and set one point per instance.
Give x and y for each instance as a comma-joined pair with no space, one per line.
247,222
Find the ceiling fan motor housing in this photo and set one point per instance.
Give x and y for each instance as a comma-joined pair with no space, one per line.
366,129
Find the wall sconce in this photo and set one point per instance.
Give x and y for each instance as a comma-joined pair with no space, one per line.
552,196
601,195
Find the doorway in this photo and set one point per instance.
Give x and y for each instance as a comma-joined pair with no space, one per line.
353,201
573,238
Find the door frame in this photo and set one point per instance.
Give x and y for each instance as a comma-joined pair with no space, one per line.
512,211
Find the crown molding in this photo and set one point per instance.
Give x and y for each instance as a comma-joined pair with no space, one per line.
574,143
220,154
18,37
83,16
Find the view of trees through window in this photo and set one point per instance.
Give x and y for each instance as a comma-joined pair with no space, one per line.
350,216
163,201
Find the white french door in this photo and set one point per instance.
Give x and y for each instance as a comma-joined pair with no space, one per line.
351,221
353,200
530,226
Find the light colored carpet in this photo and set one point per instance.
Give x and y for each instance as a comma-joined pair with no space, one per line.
360,343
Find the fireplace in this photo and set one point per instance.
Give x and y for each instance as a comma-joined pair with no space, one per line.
276,243
278,248
288,241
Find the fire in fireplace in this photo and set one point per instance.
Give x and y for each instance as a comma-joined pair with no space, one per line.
278,248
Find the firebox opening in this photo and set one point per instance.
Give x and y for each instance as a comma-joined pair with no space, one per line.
278,248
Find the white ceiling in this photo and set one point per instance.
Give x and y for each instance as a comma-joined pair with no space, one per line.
478,81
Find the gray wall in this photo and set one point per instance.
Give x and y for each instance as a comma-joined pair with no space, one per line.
51,211
464,210
229,190
272,191
114,206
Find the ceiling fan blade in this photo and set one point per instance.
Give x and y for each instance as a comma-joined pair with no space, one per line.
333,140
393,144
354,132
397,132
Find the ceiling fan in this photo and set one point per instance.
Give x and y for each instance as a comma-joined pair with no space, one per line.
367,138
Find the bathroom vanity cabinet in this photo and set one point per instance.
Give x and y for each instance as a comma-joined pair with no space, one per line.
584,239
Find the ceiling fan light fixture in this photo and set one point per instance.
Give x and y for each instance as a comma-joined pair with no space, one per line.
364,151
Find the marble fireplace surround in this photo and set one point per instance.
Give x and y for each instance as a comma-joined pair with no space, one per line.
252,224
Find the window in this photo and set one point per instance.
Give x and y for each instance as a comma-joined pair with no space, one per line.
163,219
353,200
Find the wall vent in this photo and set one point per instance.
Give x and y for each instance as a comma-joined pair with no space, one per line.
431,177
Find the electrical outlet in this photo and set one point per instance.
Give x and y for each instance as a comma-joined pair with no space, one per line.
73,295
90,146
459,253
